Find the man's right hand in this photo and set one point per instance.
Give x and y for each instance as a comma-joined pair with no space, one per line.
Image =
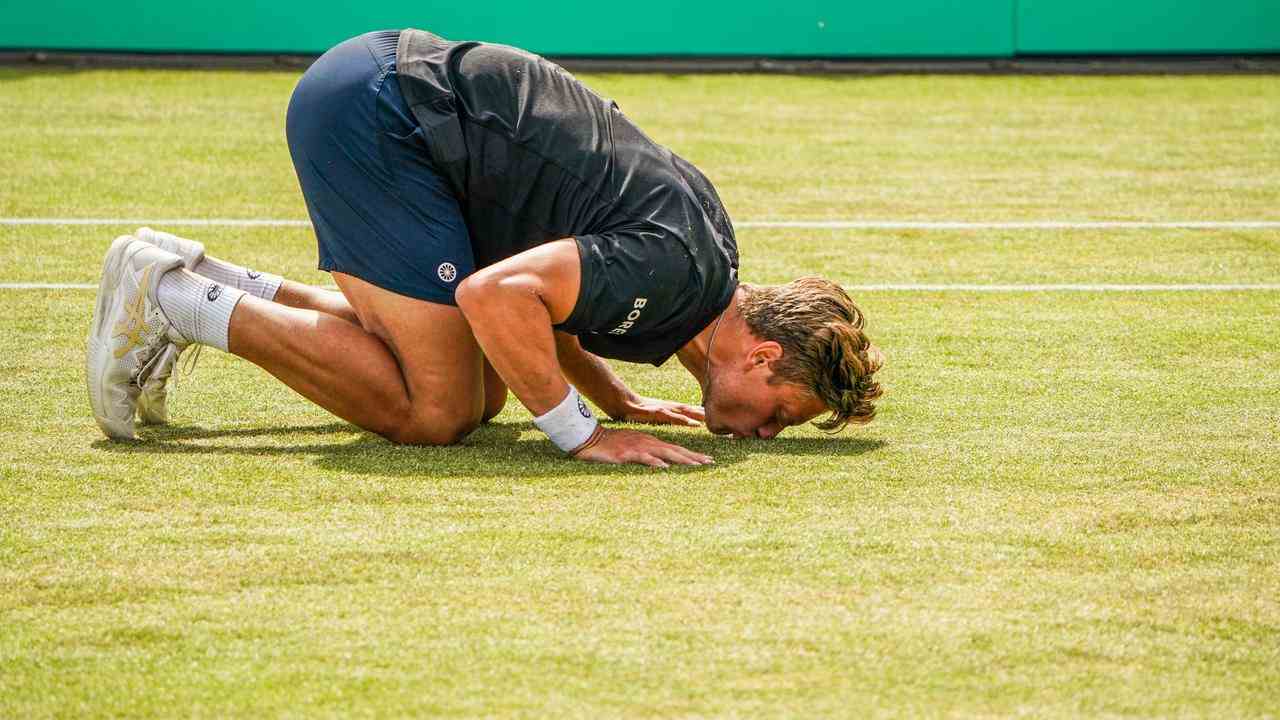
630,446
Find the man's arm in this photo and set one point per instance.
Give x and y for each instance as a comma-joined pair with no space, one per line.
511,307
595,379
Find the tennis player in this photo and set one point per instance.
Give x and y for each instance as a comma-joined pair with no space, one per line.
491,224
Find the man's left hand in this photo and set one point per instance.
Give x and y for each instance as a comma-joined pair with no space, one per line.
662,412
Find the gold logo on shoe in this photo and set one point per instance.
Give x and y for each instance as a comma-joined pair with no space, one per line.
134,326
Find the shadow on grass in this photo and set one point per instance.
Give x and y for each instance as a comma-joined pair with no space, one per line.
16,72
493,450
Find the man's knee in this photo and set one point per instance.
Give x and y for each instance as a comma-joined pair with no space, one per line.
432,428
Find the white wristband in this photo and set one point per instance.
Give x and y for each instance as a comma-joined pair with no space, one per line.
569,424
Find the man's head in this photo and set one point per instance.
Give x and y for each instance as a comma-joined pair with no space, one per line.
792,352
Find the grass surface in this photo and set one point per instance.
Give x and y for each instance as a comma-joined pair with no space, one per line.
1069,504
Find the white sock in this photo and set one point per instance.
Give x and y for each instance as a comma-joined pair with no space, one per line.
258,284
199,308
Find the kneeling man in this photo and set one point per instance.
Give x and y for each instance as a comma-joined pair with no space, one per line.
491,224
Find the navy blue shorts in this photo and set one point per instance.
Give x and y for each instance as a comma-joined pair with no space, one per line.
381,211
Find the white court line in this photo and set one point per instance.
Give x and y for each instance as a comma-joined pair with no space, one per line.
891,287
135,222
805,224
46,286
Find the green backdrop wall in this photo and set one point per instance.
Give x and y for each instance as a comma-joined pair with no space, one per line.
1143,26
906,28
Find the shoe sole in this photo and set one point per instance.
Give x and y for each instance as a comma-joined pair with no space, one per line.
176,247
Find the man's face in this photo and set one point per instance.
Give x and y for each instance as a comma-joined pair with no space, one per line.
740,401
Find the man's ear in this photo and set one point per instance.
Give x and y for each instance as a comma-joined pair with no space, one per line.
764,354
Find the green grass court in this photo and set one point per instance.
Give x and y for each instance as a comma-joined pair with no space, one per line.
1069,504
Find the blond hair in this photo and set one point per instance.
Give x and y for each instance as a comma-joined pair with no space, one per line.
823,346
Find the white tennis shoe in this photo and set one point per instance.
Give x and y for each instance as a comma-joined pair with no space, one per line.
153,401
129,331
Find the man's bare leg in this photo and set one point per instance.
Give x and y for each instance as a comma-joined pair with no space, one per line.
270,288
309,297
410,370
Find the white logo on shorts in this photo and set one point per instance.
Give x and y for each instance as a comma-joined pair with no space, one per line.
447,272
